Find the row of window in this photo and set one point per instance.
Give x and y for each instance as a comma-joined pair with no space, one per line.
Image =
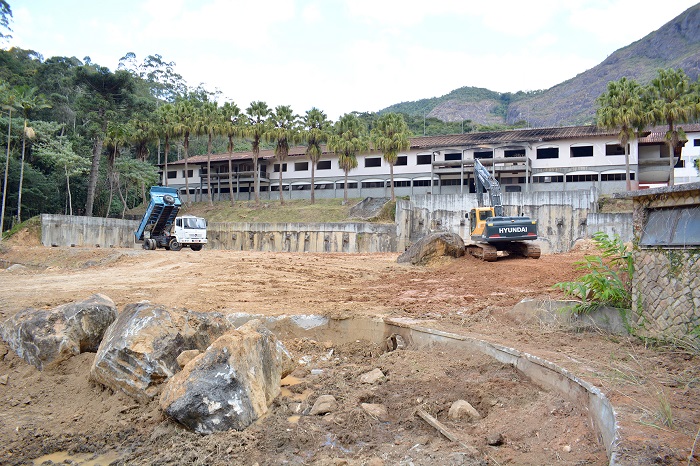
582,178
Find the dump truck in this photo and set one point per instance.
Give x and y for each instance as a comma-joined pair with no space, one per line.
162,228
490,230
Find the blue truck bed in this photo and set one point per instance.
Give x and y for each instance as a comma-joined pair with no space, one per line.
160,213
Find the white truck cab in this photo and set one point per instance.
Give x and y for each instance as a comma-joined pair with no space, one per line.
191,231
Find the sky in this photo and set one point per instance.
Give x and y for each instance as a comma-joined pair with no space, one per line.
344,55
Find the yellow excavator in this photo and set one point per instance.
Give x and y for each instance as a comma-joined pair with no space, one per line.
490,230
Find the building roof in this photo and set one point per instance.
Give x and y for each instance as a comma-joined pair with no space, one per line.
513,136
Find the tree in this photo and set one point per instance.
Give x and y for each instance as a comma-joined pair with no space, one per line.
316,132
621,107
5,17
117,135
132,173
28,100
59,153
232,127
8,100
166,129
283,130
186,124
104,96
671,101
256,130
209,122
390,135
349,138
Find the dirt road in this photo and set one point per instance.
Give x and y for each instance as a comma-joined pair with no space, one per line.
60,410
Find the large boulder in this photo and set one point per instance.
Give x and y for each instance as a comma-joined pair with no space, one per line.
140,349
231,384
46,337
433,246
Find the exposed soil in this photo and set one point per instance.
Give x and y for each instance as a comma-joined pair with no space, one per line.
58,412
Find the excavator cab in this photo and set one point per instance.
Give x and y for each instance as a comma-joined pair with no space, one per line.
477,220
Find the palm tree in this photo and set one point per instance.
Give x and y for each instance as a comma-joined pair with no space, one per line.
256,129
390,135
209,123
165,117
185,124
350,138
670,98
117,135
8,101
28,100
316,133
232,121
283,130
621,107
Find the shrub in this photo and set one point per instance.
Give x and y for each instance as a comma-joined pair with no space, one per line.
608,280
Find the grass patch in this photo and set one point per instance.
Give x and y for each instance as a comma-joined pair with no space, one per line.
294,211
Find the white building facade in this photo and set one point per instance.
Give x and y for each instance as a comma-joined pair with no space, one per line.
539,159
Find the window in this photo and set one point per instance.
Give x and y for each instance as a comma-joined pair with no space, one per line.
401,160
513,189
615,176
402,184
615,149
351,185
323,165
696,142
324,186
172,174
514,153
301,187
450,182
453,156
678,226
548,179
581,178
483,154
188,175
276,167
424,159
582,151
203,171
372,184
547,153
423,183
301,166
373,162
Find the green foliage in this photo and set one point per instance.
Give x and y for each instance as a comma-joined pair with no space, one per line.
608,277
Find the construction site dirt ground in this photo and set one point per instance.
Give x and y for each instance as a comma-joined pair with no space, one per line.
61,414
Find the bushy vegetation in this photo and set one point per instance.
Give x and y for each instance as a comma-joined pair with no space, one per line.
608,277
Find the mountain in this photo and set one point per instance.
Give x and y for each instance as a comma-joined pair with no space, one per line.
573,102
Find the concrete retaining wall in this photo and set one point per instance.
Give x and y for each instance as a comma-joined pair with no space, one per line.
563,218
303,237
67,230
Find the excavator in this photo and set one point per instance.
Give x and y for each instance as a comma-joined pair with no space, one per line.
490,230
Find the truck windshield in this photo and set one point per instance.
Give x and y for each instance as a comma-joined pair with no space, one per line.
194,223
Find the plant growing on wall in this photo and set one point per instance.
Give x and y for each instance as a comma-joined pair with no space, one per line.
608,277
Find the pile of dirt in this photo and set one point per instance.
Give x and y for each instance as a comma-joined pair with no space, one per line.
655,391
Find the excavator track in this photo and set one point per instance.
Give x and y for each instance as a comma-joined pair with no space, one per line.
532,251
483,251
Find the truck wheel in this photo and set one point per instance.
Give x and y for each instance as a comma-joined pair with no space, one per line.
146,245
168,199
196,247
152,244
175,245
